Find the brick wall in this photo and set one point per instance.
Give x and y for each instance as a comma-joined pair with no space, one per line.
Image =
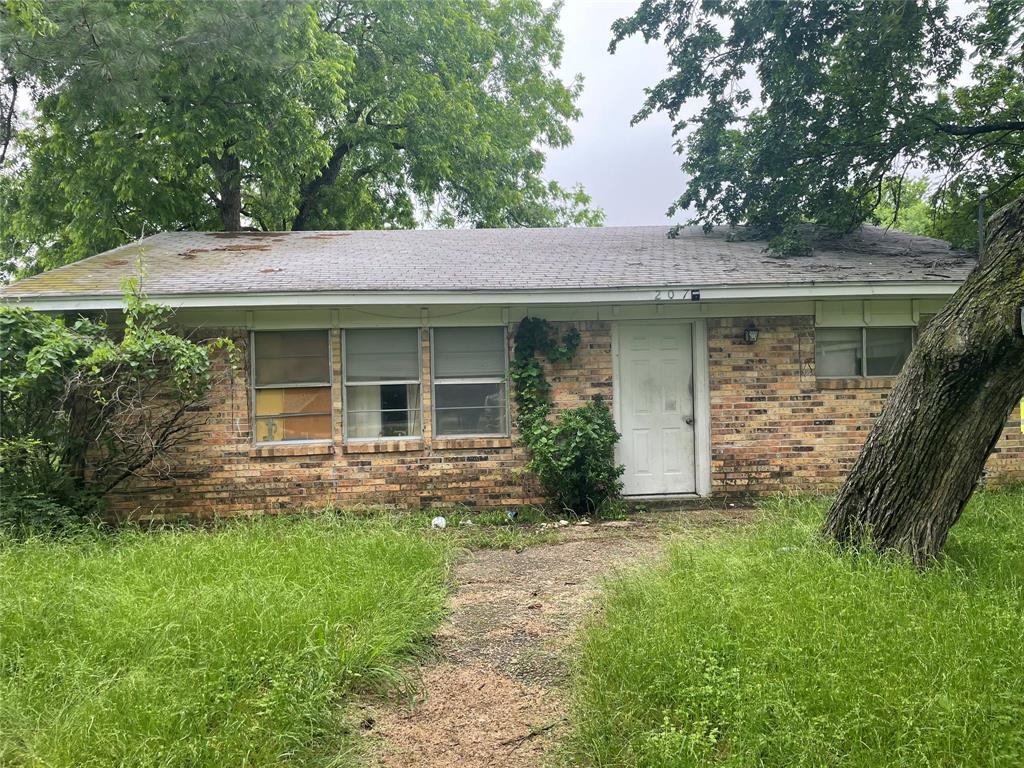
218,471
775,427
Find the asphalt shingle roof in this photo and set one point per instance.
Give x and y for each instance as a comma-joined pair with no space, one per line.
480,260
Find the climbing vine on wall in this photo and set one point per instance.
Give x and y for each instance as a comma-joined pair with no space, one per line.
572,454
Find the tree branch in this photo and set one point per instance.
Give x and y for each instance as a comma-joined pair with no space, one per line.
327,176
8,119
978,130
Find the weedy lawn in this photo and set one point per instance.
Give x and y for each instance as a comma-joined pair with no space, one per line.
763,648
231,647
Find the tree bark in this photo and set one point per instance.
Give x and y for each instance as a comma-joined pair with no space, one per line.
927,450
309,191
228,172
983,128
7,120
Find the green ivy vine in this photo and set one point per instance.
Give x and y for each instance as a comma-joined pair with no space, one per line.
573,454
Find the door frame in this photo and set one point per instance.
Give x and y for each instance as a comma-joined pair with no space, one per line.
701,393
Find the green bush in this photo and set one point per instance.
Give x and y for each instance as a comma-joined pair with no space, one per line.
36,495
575,459
233,647
84,407
572,454
764,647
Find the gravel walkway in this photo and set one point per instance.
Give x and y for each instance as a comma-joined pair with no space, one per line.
496,695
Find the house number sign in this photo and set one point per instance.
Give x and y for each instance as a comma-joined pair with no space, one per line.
671,294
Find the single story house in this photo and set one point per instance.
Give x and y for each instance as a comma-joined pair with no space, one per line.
376,360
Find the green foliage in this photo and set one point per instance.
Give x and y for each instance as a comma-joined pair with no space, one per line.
190,648
157,115
849,97
906,207
36,494
336,114
83,407
536,336
763,647
575,458
789,242
573,455
949,211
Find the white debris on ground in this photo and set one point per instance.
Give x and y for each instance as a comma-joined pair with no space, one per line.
559,524
438,522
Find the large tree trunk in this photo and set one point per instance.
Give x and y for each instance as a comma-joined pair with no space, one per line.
309,191
926,452
228,172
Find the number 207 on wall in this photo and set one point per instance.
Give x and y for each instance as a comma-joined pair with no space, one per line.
671,294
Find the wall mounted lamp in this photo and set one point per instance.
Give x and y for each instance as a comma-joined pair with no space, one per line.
750,334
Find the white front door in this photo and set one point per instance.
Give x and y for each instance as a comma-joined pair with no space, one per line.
655,372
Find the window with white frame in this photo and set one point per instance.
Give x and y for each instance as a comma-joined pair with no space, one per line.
291,385
382,383
853,352
469,367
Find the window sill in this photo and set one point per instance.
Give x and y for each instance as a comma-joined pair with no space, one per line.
456,443
858,382
295,449
386,446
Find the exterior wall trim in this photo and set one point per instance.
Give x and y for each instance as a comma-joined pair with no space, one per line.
626,295
702,406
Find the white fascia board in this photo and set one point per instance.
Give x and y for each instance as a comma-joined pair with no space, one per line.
668,294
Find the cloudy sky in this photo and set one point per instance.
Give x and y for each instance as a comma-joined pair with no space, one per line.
631,172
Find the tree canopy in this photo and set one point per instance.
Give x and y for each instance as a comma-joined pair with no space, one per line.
820,111
144,116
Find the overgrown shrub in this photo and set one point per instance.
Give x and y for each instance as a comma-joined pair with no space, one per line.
35,493
573,454
84,407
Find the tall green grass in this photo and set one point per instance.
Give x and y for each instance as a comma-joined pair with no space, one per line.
764,648
235,647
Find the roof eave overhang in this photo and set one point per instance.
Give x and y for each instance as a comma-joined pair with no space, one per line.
71,302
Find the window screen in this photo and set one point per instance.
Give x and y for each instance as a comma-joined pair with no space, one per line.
888,349
469,382
838,352
291,386
382,383
382,355
846,352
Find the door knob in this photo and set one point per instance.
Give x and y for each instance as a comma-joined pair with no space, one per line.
689,420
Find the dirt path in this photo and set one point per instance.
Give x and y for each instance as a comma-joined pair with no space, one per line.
496,695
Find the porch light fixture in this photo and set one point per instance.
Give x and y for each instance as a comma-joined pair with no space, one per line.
750,334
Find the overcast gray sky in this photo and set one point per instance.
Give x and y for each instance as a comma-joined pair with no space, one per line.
633,173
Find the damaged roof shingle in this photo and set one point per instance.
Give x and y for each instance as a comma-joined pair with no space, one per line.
480,260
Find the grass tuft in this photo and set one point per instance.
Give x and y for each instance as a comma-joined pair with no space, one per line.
516,529
235,646
764,647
